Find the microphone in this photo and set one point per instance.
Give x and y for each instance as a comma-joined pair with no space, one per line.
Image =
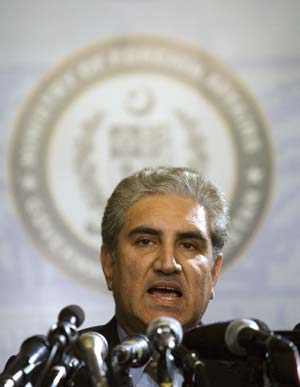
231,339
133,351
297,327
95,349
293,335
244,334
164,333
60,335
244,337
33,352
284,362
65,330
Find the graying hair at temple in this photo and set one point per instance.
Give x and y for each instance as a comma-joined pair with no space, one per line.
184,182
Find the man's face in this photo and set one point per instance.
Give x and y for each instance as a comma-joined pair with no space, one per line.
163,264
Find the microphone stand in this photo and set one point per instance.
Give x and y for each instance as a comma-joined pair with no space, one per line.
56,377
121,375
165,368
198,372
194,371
63,374
49,363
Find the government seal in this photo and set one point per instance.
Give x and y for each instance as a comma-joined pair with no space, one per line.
118,106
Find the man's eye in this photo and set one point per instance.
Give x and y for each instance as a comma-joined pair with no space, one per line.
144,242
188,246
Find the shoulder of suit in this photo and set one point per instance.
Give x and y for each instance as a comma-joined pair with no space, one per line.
109,331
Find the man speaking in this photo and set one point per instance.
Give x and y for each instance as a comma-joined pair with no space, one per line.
163,232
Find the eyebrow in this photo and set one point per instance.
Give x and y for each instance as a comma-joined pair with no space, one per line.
181,234
144,230
192,235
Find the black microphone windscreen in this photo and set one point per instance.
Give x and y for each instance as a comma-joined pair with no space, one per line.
70,312
296,327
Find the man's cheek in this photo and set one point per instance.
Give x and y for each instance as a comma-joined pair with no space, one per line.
200,264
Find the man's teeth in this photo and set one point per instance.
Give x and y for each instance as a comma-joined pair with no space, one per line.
166,293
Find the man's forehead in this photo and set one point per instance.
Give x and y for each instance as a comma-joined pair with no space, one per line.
153,210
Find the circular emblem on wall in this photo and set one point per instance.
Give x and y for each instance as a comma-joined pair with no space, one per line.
116,107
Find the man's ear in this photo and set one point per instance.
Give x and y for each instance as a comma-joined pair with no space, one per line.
215,273
107,263
216,269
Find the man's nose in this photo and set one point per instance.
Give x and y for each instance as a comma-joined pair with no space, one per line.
166,262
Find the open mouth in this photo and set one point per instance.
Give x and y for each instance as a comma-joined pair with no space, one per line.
165,292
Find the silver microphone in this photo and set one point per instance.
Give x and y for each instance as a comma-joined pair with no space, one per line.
164,333
95,349
133,351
